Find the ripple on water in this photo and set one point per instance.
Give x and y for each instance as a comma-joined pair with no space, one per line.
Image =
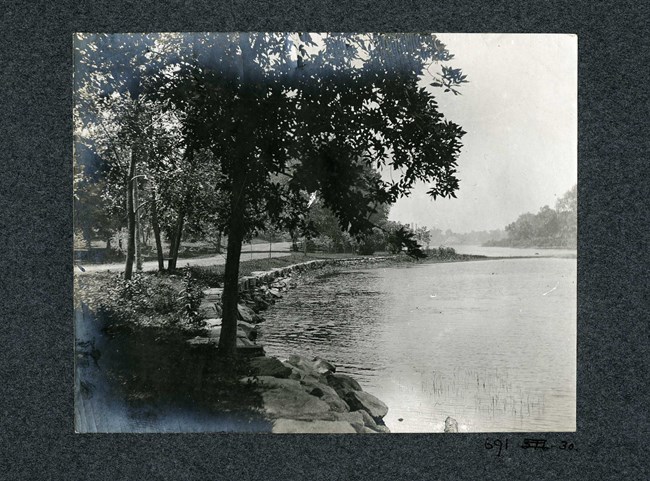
479,341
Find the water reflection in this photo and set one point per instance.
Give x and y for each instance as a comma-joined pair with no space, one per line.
484,342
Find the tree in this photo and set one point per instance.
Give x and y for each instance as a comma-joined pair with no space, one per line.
141,141
110,112
423,235
548,228
403,238
288,115
567,213
338,119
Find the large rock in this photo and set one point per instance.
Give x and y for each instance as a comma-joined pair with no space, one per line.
270,382
213,295
382,429
354,418
368,421
451,425
245,313
305,366
279,285
208,310
343,384
249,329
211,323
213,332
275,293
243,341
365,430
327,394
269,366
323,367
285,426
366,401
292,403
296,374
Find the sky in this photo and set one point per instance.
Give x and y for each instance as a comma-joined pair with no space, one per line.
519,110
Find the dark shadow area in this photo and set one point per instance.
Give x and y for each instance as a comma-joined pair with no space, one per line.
148,379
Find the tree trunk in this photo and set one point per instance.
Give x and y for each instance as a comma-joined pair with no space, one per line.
228,338
219,242
176,241
138,228
130,210
178,233
156,232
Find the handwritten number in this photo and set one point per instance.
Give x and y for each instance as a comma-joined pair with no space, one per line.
567,446
497,443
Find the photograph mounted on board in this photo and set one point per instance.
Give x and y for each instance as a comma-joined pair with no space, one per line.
325,232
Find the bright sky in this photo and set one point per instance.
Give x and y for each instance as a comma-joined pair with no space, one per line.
520,114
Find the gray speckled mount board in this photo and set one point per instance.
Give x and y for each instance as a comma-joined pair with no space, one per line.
36,329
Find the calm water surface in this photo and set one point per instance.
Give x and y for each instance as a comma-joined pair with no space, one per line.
491,343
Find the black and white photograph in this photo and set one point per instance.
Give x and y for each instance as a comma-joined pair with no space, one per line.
293,232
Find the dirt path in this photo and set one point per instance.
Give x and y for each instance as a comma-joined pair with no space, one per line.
261,251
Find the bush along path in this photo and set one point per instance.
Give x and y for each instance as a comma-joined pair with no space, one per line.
299,395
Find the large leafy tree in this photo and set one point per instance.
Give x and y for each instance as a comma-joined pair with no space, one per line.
288,115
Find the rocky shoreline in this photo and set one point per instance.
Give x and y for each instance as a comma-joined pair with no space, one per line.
299,395
308,396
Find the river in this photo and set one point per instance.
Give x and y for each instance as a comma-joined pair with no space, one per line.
491,343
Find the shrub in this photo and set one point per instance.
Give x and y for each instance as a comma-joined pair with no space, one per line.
139,300
444,252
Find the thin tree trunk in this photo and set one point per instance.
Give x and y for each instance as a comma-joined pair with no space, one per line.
178,233
176,241
219,242
138,228
130,210
156,233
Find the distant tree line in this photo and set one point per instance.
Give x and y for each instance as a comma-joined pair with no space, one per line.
449,237
548,228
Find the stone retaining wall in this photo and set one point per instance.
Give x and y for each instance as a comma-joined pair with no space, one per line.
267,277
257,293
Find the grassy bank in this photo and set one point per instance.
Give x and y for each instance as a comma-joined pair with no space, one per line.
171,299
166,299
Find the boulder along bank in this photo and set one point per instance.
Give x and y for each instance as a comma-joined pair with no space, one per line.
299,395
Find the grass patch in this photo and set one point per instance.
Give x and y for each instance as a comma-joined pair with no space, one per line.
212,276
